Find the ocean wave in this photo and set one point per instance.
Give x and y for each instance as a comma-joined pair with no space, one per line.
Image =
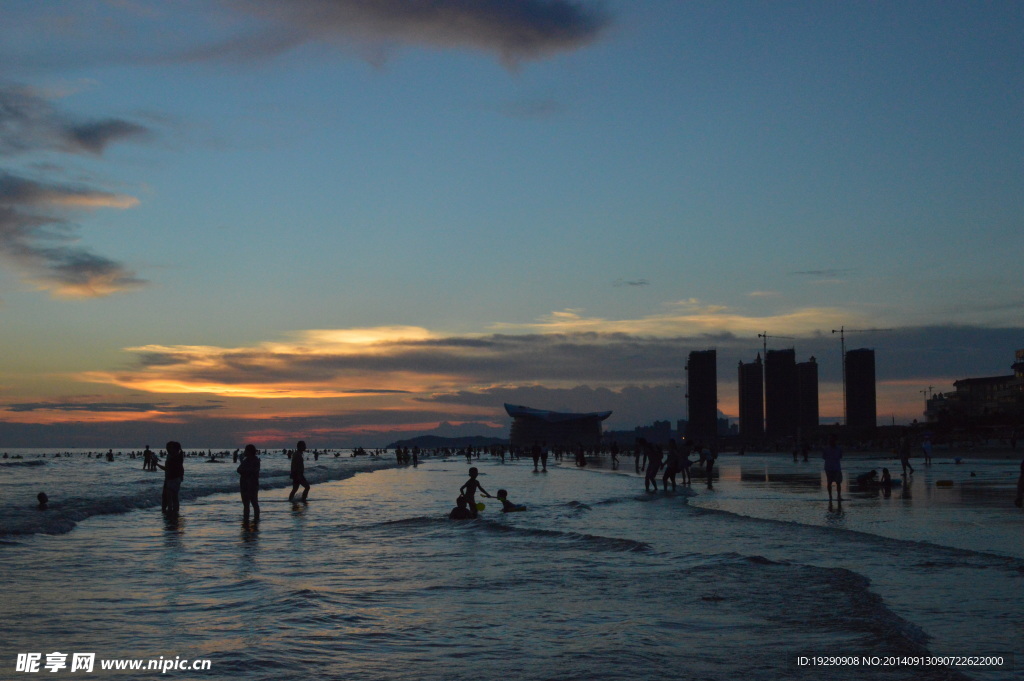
819,601
22,464
63,514
591,541
949,555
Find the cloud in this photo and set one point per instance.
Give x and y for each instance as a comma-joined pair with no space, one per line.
110,407
632,282
40,242
515,30
688,318
29,122
829,274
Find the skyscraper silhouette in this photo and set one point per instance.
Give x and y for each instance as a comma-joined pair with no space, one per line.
702,395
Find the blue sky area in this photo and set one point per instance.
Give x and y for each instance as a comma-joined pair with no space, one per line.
252,221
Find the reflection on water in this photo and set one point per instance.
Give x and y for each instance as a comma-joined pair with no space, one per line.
370,580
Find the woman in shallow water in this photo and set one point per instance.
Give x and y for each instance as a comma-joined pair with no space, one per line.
249,481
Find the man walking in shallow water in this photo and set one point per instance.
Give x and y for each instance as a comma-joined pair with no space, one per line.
298,472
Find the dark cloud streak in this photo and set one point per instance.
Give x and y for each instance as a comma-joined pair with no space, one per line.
30,123
40,241
515,30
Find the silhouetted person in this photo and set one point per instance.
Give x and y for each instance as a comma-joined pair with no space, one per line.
298,473
44,500
868,479
461,510
506,505
535,453
905,455
469,490
148,459
249,481
833,455
709,463
671,466
653,465
685,463
174,473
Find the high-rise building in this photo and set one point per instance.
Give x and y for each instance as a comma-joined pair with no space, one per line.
781,398
807,394
860,389
702,395
751,383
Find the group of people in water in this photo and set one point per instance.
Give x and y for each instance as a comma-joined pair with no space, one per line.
248,477
466,505
649,458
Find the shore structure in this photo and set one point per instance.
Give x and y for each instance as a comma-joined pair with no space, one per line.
556,429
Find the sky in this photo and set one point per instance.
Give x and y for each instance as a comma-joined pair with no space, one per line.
231,221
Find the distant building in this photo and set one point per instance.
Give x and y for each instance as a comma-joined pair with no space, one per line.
751,384
986,401
781,397
702,395
557,429
861,409
807,397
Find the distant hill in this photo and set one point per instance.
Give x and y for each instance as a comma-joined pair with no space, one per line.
438,442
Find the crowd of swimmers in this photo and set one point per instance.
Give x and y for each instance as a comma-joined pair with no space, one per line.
671,461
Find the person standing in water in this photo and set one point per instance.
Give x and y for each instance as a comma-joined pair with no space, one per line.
904,447
832,455
653,453
249,481
174,473
299,472
469,490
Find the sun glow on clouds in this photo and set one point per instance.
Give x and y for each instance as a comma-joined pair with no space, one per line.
312,365
689,317
563,349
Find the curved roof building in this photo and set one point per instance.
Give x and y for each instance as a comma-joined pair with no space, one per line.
556,429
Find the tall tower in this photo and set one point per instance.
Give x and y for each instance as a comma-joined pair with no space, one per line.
860,389
781,413
751,382
807,402
702,395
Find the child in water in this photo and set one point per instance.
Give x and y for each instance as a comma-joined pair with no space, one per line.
469,490
506,505
460,512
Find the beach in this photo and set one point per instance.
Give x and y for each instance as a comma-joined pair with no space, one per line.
596,580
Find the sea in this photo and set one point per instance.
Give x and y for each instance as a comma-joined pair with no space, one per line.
755,575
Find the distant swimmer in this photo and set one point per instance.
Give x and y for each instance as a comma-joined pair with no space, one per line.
298,473
44,500
461,510
249,481
506,505
833,455
469,490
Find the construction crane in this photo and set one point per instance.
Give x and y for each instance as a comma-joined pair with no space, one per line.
764,342
842,331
